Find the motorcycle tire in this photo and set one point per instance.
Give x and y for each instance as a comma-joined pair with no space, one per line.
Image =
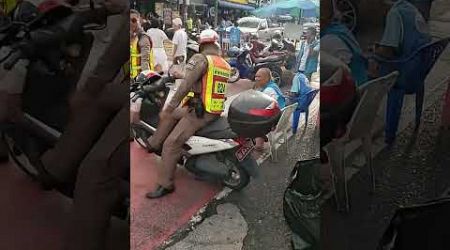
235,76
277,74
238,178
19,157
140,135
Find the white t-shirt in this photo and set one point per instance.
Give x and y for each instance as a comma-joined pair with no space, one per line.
180,39
304,57
158,36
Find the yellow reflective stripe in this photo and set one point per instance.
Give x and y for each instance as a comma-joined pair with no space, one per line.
134,59
209,82
187,97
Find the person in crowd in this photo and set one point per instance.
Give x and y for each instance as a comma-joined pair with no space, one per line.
265,84
178,124
300,87
228,22
179,41
405,32
308,57
199,24
140,46
337,40
189,24
146,27
158,37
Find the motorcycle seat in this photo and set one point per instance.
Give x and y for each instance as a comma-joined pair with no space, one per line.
268,59
218,129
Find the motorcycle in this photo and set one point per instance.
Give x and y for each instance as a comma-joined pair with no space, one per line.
219,152
192,47
240,62
245,62
51,78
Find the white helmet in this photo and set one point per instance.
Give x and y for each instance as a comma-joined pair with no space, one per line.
209,36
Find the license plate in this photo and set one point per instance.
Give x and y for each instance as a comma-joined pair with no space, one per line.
244,150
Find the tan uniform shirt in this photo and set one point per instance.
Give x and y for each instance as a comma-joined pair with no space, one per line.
195,70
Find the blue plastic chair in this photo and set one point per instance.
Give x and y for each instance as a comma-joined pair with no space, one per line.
303,107
304,100
413,71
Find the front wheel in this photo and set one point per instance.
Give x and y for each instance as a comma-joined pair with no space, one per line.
141,135
238,178
234,76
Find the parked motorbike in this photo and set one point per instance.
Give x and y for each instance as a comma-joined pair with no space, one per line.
246,61
240,62
192,48
51,77
222,150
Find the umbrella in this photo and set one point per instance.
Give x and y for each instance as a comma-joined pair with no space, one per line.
293,6
266,11
297,4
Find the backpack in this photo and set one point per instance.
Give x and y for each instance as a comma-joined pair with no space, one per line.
301,205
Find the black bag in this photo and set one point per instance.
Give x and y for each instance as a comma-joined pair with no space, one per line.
301,204
425,226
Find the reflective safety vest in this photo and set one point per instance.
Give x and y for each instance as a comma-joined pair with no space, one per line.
8,5
135,59
214,84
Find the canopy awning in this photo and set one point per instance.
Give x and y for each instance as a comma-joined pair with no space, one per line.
235,6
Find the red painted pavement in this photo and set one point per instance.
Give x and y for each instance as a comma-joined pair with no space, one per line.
154,221
33,219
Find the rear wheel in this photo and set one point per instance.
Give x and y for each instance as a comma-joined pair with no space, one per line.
238,177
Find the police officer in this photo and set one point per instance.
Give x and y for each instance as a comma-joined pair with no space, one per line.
206,80
141,56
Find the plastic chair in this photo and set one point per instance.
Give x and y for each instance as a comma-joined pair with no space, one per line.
413,71
303,107
281,131
359,127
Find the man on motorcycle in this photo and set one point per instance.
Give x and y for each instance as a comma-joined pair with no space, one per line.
206,76
141,56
